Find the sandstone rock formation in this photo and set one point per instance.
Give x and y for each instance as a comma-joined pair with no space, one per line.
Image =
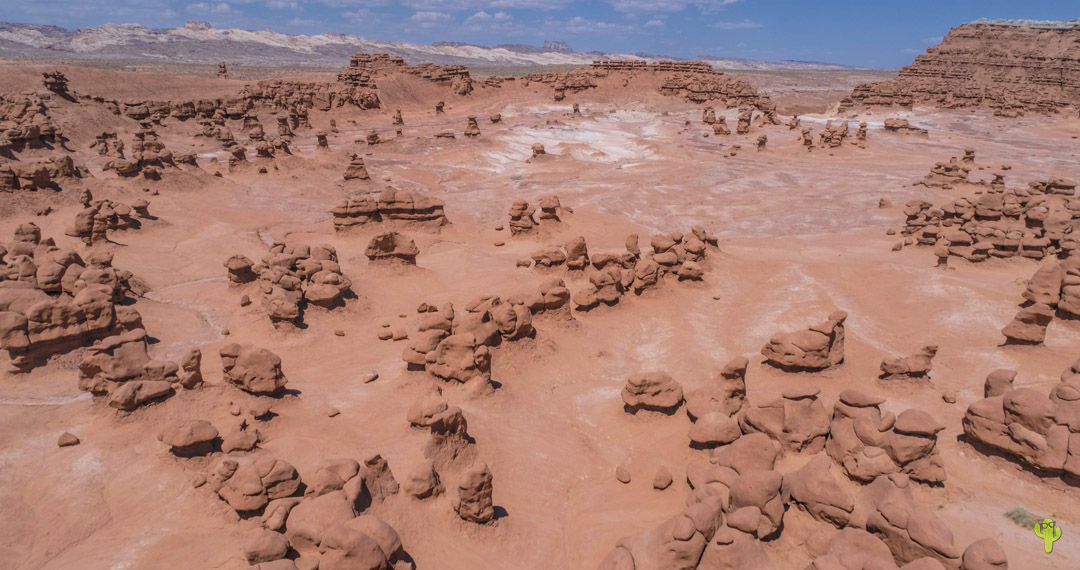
902,126
1004,65
392,246
356,169
291,277
654,391
819,347
724,394
473,502
391,205
248,485
1037,430
797,420
868,442
917,365
254,370
54,301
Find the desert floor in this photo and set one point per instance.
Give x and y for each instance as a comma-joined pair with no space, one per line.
801,234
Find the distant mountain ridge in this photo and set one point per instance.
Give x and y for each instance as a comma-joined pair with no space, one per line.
200,43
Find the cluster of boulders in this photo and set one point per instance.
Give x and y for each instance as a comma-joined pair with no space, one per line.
612,275
739,498
148,157
392,205
290,277
524,218
456,345
868,442
1041,431
25,122
52,301
55,81
120,368
1035,222
450,451
322,521
38,174
817,348
99,217
834,134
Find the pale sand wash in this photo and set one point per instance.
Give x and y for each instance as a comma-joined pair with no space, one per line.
800,234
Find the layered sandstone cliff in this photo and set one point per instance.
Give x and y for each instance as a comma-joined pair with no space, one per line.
1010,66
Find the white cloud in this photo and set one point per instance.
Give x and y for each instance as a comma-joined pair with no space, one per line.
580,25
429,19
654,23
463,5
301,22
358,16
210,8
739,25
660,6
482,17
283,4
933,40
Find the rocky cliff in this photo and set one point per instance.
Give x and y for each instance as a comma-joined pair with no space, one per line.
1010,66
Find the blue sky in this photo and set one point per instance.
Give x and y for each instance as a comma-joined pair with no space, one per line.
878,33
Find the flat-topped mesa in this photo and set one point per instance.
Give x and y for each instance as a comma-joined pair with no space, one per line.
695,80
1010,67
392,205
282,94
819,347
363,66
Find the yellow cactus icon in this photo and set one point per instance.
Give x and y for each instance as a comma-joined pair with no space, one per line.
1049,532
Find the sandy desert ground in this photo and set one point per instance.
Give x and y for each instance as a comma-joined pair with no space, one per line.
800,235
